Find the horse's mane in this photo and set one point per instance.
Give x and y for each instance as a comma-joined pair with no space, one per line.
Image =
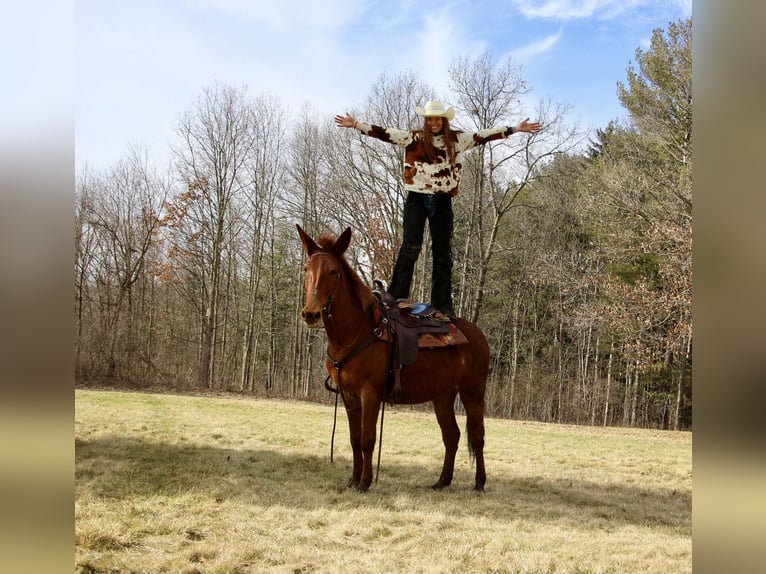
326,242
362,291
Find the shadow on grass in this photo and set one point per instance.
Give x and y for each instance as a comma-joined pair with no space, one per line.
127,467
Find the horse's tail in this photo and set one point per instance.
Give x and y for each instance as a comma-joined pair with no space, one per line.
471,450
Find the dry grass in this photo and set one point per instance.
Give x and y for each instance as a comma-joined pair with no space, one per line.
181,484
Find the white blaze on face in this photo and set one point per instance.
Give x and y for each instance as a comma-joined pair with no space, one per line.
311,312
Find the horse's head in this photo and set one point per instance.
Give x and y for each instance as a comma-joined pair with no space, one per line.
323,270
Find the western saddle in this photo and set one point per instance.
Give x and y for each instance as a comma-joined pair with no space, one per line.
406,323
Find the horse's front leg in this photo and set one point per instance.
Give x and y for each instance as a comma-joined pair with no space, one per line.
370,408
354,414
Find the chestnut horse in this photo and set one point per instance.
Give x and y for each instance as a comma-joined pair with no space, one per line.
357,362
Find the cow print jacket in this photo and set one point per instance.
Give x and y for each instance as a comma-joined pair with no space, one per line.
420,174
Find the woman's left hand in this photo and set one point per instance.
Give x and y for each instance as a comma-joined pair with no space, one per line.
345,122
527,126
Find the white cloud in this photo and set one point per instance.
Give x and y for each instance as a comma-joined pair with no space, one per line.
686,7
559,9
436,47
599,9
283,15
528,52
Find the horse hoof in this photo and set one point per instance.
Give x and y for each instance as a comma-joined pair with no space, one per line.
439,485
479,488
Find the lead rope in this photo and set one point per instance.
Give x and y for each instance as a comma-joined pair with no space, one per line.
385,398
334,422
334,416
380,441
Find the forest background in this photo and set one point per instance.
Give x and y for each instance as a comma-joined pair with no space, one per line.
572,250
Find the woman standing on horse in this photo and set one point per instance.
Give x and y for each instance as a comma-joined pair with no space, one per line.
433,163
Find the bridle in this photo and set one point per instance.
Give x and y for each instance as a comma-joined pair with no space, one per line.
327,313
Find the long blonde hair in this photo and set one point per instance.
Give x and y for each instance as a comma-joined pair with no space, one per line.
449,141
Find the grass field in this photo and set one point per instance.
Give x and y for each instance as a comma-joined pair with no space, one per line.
199,485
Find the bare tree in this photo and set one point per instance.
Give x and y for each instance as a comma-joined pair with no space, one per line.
85,244
217,140
122,209
265,184
309,201
490,95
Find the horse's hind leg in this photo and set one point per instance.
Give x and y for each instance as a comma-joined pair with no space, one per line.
474,411
444,407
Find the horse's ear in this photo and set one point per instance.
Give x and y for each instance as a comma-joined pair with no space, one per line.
341,244
308,244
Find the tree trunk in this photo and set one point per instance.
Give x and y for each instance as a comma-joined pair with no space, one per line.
515,335
207,359
682,383
595,389
248,343
634,398
560,371
608,383
626,398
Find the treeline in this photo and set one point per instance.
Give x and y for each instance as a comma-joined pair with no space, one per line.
572,251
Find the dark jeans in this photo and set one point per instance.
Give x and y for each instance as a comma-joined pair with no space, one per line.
437,209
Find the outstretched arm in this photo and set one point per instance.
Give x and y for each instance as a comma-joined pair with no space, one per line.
394,136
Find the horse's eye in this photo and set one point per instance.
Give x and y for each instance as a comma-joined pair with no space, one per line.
333,272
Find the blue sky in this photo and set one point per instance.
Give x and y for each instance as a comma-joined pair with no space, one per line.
140,64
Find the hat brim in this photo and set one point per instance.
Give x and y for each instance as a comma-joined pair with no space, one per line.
449,113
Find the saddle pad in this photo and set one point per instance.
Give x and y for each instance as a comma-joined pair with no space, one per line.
432,340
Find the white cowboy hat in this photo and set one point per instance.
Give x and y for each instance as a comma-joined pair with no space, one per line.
435,110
